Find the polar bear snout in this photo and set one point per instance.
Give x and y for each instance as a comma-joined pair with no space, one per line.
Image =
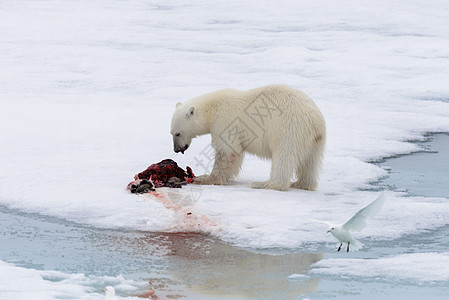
181,142
180,149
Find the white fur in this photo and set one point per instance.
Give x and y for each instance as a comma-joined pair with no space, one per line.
274,122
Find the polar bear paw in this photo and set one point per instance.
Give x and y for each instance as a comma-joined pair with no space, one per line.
302,186
270,185
207,180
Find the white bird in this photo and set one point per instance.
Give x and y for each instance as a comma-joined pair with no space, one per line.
110,293
356,223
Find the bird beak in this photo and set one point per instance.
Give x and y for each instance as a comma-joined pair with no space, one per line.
328,231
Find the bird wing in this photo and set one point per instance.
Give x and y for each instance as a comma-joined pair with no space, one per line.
358,221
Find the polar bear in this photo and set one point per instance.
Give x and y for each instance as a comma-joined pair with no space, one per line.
273,122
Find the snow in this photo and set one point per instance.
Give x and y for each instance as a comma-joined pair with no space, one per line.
88,89
26,283
415,267
297,277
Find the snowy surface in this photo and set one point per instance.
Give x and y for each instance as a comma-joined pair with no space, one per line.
22,284
87,89
417,267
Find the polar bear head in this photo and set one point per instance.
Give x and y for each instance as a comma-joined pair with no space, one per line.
183,127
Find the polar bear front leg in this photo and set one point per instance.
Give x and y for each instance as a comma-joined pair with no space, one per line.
226,167
282,165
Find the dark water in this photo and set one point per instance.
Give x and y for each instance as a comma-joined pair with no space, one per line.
421,174
179,264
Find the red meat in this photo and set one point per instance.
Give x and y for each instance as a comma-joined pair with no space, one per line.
161,172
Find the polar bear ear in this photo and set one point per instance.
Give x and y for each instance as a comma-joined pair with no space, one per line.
178,104
190,112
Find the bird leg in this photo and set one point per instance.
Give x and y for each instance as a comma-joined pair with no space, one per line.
347,250
339,248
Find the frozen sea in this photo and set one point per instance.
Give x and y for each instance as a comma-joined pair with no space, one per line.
87,90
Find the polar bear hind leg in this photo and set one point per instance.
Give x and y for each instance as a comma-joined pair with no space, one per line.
308,171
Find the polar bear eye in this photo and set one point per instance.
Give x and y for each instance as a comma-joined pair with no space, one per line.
177,134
